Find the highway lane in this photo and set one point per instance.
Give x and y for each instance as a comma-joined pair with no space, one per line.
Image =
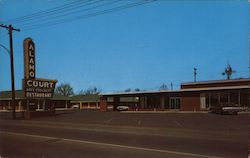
43,146
53,137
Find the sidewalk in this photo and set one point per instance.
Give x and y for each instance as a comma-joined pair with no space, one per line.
181,112
162,112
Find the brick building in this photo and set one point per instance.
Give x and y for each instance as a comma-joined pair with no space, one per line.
192,96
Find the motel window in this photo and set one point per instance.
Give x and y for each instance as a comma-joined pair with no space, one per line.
234,97
229,97
110,99
223,97
214,99
129,99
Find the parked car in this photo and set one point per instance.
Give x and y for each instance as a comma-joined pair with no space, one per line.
226,108
76,106
122,108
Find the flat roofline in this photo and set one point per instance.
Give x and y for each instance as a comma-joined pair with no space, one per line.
216,88
179,91
76,101
140,92
216,81
1,99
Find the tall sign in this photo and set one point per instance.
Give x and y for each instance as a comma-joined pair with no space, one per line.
29,59
34,88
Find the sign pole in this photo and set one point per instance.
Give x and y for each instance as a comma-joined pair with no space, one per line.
27,109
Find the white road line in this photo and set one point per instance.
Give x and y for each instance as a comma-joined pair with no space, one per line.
180,125
108,121
139,122
111,145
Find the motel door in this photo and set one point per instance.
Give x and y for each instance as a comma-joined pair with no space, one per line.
174,103
202,101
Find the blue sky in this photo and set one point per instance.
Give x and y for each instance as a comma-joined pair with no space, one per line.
140,47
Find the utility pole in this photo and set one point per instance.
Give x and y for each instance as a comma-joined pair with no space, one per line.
195,73
10,29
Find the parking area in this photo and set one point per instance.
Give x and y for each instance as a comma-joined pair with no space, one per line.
184,134
189,120
201,121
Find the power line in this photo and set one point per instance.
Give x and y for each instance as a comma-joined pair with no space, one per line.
66,14
58,8
56,22
53,13
7,50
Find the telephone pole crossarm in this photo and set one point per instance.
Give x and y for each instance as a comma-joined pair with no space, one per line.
9,27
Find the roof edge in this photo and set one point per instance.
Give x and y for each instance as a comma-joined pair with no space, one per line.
216,81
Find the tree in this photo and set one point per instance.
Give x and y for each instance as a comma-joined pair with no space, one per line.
64,89
163,87
131,90
128,90
93,90
137,90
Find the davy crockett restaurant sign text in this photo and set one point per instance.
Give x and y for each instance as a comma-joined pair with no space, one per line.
34,87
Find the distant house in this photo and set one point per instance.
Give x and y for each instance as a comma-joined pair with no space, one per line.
193,96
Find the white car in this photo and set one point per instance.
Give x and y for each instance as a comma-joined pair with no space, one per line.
76,106
122,108
226,108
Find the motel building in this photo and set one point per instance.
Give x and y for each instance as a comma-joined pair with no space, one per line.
192,96
86,101
57,102
38,107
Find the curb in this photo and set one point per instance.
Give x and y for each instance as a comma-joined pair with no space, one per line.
163,112
172,112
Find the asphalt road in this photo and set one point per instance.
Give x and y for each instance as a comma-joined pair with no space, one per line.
116,135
